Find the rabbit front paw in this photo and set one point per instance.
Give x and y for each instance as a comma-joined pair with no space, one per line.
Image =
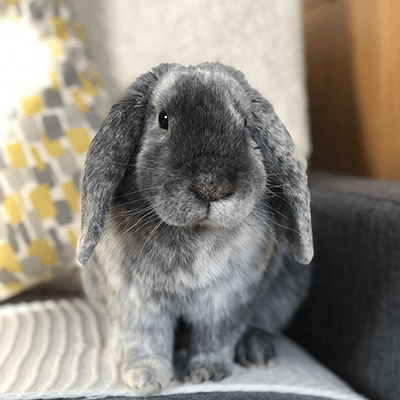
256,347
147,376
207,367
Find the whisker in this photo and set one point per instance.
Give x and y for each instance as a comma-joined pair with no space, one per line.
149,237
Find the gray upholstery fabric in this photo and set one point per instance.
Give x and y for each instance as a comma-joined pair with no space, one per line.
351,321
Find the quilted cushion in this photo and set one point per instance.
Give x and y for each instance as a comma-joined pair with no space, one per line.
65,349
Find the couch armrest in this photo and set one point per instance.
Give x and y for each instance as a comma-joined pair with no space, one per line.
351,319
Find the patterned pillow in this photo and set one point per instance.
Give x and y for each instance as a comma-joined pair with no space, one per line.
42,148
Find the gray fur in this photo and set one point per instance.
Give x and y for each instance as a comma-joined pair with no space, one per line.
194,223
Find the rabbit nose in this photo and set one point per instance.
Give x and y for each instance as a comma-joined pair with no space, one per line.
209,188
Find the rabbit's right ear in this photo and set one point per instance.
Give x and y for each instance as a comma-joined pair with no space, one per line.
108,157
105,165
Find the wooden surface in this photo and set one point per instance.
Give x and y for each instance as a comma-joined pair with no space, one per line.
353,57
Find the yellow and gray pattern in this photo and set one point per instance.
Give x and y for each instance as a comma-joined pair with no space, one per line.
42,153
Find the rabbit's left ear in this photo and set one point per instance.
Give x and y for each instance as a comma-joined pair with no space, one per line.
287,197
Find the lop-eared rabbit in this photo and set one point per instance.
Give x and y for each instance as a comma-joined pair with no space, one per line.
194,209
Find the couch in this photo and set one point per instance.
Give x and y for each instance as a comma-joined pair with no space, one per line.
351,320
343,342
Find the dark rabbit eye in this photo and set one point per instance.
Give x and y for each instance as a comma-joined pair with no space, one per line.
245,123
163,120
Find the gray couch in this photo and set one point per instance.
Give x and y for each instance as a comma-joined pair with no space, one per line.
351,320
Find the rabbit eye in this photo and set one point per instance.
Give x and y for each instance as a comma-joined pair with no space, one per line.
163,120
245,123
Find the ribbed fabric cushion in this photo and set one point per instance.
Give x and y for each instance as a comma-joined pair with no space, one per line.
58,349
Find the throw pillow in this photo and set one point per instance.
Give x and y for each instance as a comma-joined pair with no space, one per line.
52,105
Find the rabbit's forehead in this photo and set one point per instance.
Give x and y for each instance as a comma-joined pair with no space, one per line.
201,87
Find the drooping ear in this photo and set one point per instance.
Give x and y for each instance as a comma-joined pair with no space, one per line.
288,197
108,157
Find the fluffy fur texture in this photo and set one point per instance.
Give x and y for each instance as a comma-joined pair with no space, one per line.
192,220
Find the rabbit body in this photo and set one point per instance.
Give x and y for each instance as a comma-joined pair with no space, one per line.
192,207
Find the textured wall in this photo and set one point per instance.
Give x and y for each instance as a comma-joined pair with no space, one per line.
261,38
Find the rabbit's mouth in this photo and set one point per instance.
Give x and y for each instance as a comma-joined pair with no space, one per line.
206,223
209,222
180,207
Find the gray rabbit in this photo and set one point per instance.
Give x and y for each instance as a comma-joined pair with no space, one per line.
193,208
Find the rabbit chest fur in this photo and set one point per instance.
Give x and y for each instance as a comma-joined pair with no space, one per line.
178,267
194,208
